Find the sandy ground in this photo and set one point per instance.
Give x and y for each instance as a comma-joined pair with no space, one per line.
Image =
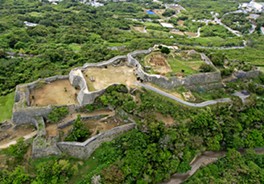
103,77
56,93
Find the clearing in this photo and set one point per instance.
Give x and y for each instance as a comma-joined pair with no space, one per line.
59,92
100,78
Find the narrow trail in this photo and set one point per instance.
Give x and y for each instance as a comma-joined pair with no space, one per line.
26,137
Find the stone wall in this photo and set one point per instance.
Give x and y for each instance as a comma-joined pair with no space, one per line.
41,146
85,149
77,79
22,112
247,75
202,81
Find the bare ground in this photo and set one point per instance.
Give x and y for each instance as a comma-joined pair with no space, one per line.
59,92
158,63
191,34
13,134
140,29
103,77
168,120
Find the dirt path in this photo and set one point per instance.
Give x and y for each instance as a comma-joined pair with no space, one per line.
26,137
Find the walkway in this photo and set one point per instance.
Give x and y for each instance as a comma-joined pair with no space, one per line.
203,104
26,137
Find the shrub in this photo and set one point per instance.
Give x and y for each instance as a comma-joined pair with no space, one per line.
79,131
57,114
165,50
206,68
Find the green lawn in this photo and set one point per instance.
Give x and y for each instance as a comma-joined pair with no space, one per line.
6,105
189,67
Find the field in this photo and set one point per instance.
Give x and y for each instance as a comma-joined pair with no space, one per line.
6,105
56,93
100,78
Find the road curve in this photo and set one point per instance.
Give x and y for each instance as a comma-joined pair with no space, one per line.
203,104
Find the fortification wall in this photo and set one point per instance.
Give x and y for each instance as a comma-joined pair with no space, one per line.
85,149
77,79
200,81
114,60
22,112
247,75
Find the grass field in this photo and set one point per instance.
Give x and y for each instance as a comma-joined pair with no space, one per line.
189,66
6,105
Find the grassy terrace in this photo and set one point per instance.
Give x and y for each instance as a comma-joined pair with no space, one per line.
6,105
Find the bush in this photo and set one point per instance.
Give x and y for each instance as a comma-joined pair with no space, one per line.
79,132
206,68
57,114
18,150
165,50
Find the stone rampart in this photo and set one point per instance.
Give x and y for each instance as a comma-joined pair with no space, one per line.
206,81
77,79
85,149
42,146
247,75
22,112
114,60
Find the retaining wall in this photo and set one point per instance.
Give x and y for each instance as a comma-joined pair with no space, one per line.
85,149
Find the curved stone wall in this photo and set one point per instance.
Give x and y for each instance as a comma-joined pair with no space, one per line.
85,149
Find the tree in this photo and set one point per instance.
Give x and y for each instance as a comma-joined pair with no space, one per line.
79,132
206,68
57,114
165,50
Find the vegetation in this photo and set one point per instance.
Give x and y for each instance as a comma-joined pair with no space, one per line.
234,168
57,114
6,105
79,132
71,34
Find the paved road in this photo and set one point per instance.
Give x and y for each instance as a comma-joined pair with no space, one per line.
203,104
